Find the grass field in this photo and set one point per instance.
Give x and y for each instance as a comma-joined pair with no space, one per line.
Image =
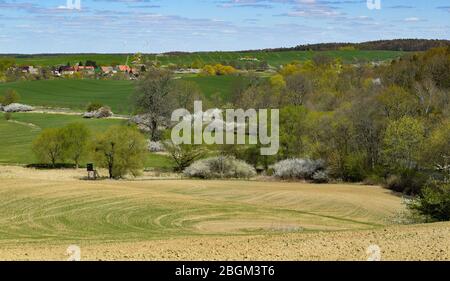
42,206
74,94
209,85
273,58
77,94
43,212
16,136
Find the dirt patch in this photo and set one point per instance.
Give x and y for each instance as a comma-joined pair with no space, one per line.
43,212
401,243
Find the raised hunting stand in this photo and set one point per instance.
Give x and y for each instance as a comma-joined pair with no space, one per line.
92,173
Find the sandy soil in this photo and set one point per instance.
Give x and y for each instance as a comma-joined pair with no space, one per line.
208,239
418,242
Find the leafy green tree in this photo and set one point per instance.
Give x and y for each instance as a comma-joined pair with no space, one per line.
294,127
91,63
5,64
436,153
197,64
403,142
121,150
11,96
49,146
434,202
396,103
76,137
93,106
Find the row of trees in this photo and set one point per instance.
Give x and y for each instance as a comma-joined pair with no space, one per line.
120,149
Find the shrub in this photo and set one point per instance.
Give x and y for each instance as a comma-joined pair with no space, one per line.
434,202
354,170
394,182
11,96
94,106
104,112
199,169
297,168
373,179
155,146
220,167
50,166
320,177
7,116
17,107
408,182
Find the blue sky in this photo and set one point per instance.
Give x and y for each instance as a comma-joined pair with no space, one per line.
119,26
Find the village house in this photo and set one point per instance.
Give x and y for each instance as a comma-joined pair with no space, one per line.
108,70
85,69
29,69
66,70
124,68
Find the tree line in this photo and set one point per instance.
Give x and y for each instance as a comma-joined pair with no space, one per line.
120,149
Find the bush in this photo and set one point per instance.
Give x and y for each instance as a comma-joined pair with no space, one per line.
354,170
94,106
11,96
373,179
7,116
394,182
434,202
298,168
17,107
321,177
51,166
104,112
408,182
220,167
155,146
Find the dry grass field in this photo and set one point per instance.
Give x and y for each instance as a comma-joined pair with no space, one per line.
43,212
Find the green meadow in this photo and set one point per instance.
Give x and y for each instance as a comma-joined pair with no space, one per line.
17,136
73,94
77,94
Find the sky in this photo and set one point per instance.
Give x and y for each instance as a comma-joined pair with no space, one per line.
154,26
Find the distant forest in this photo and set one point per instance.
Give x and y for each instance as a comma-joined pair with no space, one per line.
406,45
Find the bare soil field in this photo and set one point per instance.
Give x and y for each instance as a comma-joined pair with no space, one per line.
44,212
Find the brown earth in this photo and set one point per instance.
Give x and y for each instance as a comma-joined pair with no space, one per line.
42,213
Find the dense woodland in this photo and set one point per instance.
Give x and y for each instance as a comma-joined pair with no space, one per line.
365,121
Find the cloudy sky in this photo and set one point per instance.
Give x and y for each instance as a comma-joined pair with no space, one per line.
105,26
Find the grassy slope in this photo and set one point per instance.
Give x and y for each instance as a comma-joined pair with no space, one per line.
54,206
274,58
76,94
210,85
16,138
